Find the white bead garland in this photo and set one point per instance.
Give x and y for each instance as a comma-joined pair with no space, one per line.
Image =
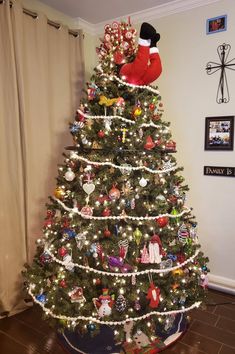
120,217
111,323
123,275
127,168
151,124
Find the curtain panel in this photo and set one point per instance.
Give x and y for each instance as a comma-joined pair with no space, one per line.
41,79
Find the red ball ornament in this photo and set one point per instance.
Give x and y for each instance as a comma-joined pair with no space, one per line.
149,145
106,212
152,106
162,221
156,117
63,283
114,193
101,133
97,281
107,233
62,251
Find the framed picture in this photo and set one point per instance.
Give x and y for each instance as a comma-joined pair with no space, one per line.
216,24
219,133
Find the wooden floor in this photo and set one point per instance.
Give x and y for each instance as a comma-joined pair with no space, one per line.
211,331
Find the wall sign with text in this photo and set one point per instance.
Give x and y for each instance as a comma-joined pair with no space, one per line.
219,171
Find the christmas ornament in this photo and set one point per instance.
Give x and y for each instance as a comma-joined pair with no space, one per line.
133,203
120,104
115,261
114,193
59,193
123,130
91,327
123,248
155,249
120,303
80,241
106,212
178,271
88,188
166,264
144,255
107,233
101,133
45,258
174,212
62,251
162,221
42,298
149,145
172,199
161,198
63,283
137,111
68,263
153,295
76,295
86,211
118,57
69,175
171,145
137,234
103,304
68,234
183,234
104,101
137,306
116,230
143,182
107,123
204,281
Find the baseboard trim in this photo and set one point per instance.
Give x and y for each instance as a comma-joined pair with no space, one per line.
222,284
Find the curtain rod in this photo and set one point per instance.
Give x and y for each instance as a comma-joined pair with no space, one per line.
49,22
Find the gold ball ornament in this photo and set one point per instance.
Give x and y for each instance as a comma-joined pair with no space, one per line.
59,193
137,111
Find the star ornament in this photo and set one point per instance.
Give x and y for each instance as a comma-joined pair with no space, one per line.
212,67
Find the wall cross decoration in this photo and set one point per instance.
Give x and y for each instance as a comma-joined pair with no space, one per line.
223,51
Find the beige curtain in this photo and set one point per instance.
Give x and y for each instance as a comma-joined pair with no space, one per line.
41,78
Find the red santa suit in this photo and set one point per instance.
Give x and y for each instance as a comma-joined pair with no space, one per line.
146,67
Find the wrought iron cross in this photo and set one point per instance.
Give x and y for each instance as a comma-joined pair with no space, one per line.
223,51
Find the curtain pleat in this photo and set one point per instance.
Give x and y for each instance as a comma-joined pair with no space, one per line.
40,91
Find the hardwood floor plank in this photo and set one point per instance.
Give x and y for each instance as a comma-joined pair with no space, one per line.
226,350
213,333
9,346
226,324
201,343
181,348
204,316
225,312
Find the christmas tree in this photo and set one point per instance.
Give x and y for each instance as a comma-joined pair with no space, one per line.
120,246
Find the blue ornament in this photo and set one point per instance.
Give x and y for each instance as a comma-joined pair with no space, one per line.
68,234
42,298
204,268
172,257
116,230
91,327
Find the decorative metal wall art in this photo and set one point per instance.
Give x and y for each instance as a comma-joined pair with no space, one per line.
212,67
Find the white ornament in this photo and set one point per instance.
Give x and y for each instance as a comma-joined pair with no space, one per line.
88,188
143,182
69,175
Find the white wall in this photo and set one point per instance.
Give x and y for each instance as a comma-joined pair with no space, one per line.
189,95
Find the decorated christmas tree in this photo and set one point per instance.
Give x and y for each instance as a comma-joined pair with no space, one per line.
120,246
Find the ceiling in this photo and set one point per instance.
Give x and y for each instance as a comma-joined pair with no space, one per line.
96,11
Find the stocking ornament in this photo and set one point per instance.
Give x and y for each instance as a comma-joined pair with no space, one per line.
153,294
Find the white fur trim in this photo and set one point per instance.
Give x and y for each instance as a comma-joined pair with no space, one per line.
144,42
153,50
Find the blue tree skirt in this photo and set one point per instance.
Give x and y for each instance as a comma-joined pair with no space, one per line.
104,342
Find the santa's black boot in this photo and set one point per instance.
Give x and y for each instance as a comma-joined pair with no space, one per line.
154,40
147,31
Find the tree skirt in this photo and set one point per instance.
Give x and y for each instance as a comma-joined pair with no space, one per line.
104,342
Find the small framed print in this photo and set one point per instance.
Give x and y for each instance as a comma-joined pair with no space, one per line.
216,24
219,133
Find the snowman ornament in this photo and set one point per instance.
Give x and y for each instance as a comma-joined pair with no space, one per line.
103,304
